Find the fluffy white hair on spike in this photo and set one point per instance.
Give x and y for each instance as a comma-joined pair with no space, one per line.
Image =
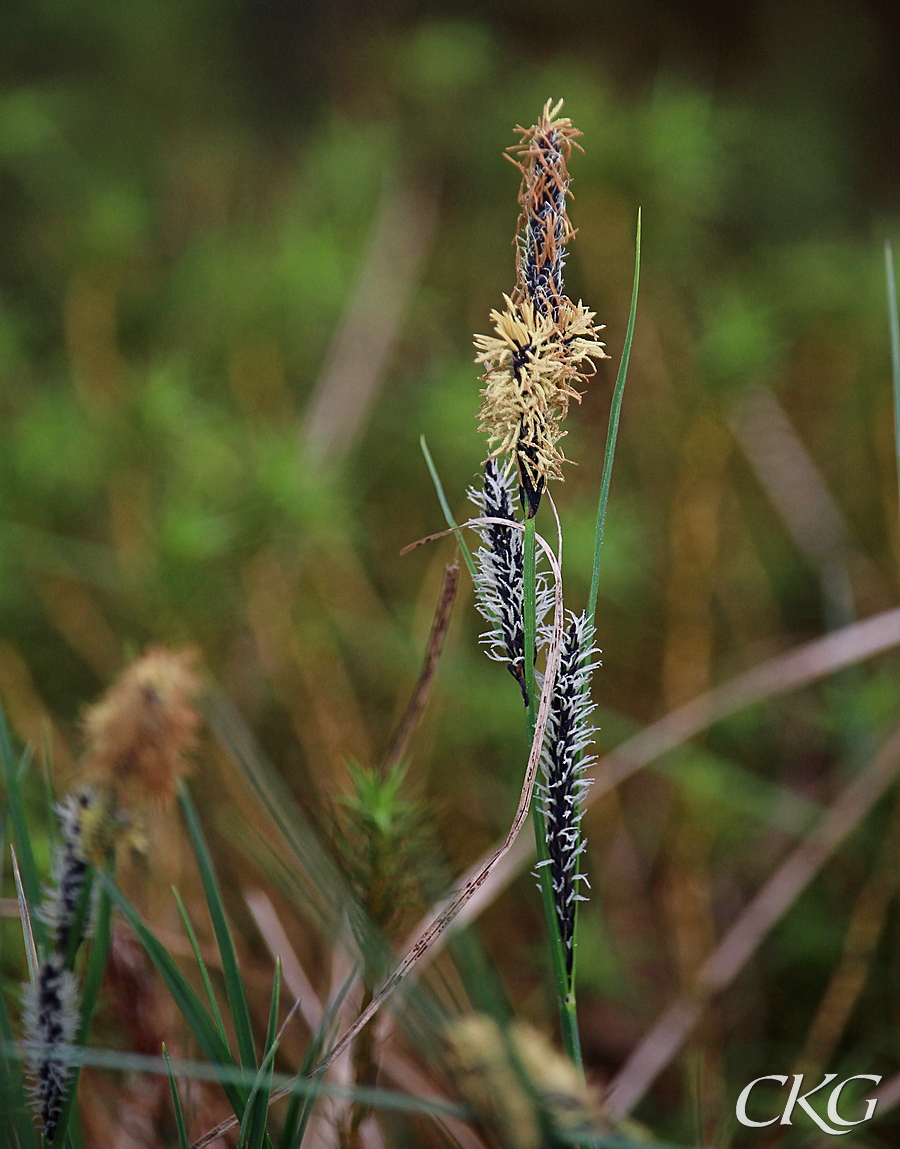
561,787
50,1021
499,590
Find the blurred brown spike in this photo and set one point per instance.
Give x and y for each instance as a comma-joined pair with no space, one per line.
415,708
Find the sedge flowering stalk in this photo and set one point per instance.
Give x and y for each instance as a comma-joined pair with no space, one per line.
542,349
50,1002
137,737
62,898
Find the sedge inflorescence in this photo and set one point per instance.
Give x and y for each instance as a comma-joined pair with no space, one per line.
137,737
139,733
543,344
50,1020
541,349
50,1002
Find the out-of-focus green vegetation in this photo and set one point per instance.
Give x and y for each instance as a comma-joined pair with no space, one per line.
212,216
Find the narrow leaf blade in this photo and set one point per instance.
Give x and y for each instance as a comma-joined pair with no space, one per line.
30,879
613,430
234,985
182,991
176,1103
204,972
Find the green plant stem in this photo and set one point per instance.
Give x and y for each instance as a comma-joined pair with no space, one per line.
894,326
613,429
445,507
608,458
565,990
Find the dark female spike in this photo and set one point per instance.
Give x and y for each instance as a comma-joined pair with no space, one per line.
562,786
50,1020
61,899
499,587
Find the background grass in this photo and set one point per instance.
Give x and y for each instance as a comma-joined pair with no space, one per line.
191,197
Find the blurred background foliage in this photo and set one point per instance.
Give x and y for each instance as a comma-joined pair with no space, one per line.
243,248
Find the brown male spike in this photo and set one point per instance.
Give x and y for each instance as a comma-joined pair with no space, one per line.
542,341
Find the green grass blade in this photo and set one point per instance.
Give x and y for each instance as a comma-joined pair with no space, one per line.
96,966
445,506
234,985
301,1108
25,764
121,1061
204,972
176,1104
31,882
182,991
291,1123
894,325
47,777
322,883
306,1112
253,1127
25,918
613,430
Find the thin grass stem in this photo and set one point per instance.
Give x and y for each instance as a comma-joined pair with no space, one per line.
183,1141
201,964
894,325
445,507
613,430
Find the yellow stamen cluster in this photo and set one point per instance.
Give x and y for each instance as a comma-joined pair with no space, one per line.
532,365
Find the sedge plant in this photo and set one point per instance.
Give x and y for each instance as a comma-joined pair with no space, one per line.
140,737
542,349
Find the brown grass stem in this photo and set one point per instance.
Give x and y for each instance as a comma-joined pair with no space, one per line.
415,708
